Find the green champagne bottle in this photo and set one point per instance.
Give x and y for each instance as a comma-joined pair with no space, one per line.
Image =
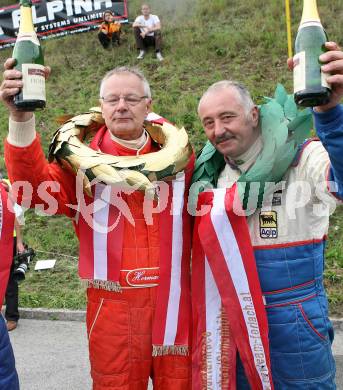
310,85
29,60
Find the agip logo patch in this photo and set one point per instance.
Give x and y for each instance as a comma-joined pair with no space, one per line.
268,224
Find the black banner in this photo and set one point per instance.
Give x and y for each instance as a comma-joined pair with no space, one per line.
54,18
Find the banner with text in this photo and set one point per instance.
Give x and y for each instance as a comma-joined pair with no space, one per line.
55,18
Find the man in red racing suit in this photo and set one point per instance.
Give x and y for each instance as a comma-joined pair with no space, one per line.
138,310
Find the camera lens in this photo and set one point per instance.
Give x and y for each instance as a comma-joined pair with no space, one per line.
19,272
23,260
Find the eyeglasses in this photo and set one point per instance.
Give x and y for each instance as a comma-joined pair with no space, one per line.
131,100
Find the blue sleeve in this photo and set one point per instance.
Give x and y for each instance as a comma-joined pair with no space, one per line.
329,127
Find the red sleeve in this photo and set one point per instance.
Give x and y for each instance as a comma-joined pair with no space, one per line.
43,185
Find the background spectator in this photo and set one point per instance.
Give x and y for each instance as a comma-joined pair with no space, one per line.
12,291
109,30
147,31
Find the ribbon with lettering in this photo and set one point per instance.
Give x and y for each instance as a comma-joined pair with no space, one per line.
228,309
6,241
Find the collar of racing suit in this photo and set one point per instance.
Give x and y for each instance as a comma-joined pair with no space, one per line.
135,144
248,158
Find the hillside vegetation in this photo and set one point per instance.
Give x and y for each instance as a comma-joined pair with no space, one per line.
204,41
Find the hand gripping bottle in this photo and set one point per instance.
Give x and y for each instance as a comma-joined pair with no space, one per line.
29,60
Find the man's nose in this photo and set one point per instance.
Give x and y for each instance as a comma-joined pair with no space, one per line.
218,128
122,105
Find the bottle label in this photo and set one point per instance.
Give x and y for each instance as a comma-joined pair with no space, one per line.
34,82
299,72
28,37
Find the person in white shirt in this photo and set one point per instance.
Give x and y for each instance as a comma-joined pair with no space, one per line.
147,32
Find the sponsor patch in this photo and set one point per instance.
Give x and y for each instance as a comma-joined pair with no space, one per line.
276,201
143,277
277,198
268,224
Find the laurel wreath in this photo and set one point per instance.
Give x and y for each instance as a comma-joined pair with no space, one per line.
69,148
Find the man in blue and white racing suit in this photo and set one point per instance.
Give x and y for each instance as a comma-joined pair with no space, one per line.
288,235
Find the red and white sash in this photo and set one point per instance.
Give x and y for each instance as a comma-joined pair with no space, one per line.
173,309
6,241
224,278
100,231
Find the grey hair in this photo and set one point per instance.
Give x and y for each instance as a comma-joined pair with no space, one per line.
130,70
243,92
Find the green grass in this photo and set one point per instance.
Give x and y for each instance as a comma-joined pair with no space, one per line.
204,41
59,287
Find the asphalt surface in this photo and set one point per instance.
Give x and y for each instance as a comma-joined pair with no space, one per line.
52,355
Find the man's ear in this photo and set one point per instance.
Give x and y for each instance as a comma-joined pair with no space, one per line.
148,105
255,115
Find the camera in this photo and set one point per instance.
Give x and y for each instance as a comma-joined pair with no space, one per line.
22,261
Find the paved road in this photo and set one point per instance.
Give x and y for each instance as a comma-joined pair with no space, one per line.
52,355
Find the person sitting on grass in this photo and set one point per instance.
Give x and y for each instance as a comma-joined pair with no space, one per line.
147,32
109,30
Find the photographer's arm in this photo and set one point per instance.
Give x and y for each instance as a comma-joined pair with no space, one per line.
20,243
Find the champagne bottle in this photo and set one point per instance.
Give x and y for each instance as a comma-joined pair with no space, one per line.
29,60
310,85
